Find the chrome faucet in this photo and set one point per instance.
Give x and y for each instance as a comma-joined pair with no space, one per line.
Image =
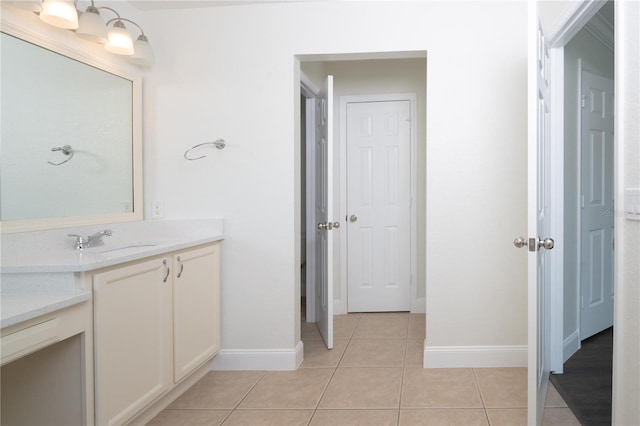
92,240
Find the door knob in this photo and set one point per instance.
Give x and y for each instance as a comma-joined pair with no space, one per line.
353,218
520,242
547,243
534,243
328,226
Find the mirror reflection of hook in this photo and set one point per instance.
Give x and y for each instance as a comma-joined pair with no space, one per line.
66,150
219,143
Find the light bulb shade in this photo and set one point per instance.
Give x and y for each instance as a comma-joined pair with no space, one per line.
91,27
61,14
119,40
142,52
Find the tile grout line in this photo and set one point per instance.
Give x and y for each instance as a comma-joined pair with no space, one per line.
335,369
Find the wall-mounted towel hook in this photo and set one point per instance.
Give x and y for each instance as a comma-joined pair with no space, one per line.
66,150
219,143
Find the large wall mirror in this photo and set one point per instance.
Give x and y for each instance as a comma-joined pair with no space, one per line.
71,149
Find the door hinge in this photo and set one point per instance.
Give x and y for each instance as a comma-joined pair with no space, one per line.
582,201
583,100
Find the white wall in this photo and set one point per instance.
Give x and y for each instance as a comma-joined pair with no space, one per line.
229,72
600,59
626,357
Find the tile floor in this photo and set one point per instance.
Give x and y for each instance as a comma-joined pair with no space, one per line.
373,376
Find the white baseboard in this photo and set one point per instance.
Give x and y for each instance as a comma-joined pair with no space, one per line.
339,308
570,345
259,359
475,356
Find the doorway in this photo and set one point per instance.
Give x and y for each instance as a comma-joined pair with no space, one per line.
588,177
359,77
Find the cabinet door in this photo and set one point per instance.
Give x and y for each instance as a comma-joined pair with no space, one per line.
196,308
132,312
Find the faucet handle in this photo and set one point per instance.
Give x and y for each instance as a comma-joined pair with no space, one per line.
80,242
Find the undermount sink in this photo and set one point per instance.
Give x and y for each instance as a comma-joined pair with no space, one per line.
129,246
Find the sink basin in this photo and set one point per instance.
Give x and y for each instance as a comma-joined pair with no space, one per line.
130,246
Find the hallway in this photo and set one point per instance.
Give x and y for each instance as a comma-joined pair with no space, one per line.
373,376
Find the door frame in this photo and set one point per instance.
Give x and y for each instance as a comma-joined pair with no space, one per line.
570,27
418,305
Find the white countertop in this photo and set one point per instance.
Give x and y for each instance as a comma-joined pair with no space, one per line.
41,270
53,251
17,308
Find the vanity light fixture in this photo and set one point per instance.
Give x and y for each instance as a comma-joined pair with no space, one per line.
61,14
90,26
119,39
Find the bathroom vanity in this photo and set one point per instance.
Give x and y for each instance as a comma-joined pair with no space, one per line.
108,334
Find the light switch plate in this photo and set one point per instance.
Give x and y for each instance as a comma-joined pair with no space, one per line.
632,203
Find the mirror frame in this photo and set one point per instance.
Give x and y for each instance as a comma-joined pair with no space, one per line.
54,41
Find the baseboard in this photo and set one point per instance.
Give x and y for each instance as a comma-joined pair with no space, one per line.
339,308
475,356
259,359
570,346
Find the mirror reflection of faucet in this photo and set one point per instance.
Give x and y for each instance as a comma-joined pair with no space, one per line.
92,240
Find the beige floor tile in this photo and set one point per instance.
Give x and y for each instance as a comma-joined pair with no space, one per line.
378,326
503,387
553,398
417,326
363,388
269,418
299,389
415,353
310,331
559,417
316,354
355,418
374,353
189,418
440,388
443,416
218,389
345,325
507,416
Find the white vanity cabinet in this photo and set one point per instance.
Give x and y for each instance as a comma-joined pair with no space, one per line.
196,308
155,320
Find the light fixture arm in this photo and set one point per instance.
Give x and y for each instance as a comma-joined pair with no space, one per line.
130,21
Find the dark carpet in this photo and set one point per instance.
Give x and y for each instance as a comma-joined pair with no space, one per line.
586,382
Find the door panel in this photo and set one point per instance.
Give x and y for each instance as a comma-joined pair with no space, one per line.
596,267
378,206
324,211
539,208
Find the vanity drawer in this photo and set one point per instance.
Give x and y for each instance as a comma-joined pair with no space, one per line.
23,339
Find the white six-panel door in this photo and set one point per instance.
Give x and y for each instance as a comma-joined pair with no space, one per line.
324,211
597,213
539,241
378,206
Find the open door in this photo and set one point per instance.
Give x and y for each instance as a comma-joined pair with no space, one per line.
324,211
539,242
